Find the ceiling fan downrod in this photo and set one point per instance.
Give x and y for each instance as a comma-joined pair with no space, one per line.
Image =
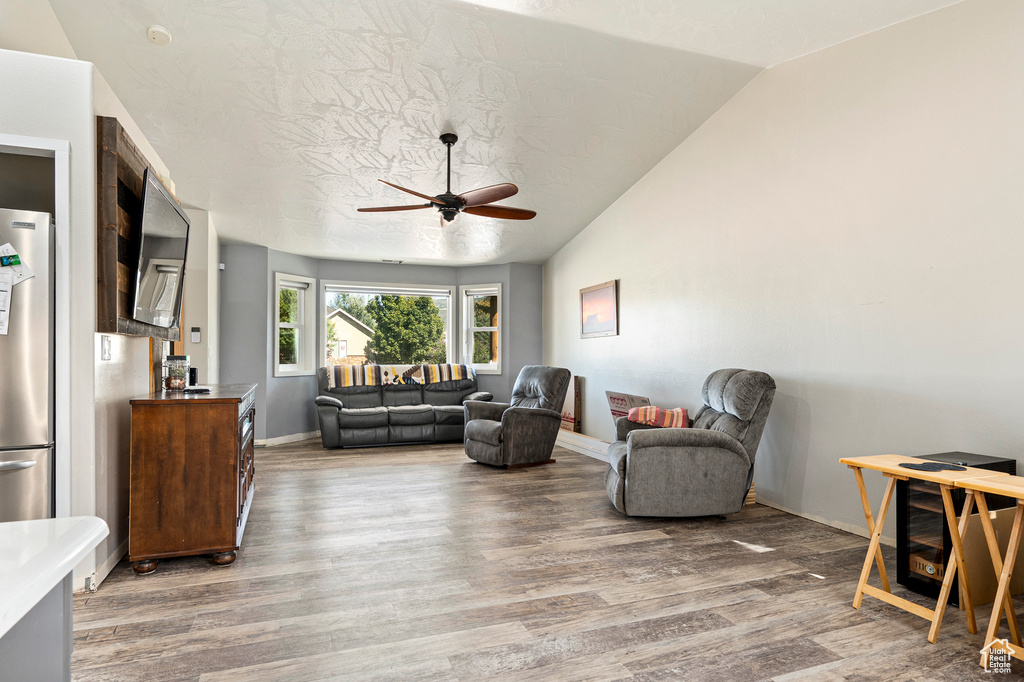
451,210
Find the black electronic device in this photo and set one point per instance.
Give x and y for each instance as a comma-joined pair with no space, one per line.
161,246
923,544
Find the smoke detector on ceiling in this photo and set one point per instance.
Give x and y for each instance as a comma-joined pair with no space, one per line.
158,35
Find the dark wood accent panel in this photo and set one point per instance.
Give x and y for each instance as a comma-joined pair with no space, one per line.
119,169
192,470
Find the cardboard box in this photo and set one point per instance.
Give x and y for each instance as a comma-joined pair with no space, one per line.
979,565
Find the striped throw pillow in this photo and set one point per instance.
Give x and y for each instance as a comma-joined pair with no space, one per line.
658,416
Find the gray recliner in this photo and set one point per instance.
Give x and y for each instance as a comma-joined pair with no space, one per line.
521,432
699,471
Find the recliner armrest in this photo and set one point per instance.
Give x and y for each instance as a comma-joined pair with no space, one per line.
623,426
530,413
478,409
479,395
328,401
684,438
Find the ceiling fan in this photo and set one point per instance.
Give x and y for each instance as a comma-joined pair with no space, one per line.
475,201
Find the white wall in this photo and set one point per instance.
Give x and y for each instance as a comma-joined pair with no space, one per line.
44,96
60,91
201,298
850,223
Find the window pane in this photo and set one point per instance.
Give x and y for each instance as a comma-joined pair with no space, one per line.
288,347
385,328
289,306
485,347
485,310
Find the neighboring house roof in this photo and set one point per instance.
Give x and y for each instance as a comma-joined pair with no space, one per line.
347,317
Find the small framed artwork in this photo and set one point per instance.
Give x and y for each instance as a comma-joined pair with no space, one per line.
599,310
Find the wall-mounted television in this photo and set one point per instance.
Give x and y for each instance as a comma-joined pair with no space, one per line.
162,245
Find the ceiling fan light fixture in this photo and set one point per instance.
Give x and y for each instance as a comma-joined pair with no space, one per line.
449,214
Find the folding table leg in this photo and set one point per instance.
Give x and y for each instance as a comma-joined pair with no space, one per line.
997,564
956,566
871,526
1003,591
874,552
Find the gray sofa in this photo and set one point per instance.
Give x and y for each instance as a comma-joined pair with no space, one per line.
700,471
355,416
523,432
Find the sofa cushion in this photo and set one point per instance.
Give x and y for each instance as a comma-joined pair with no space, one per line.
362,418
448,392
485,431
356,396
410,414
402,394
449,414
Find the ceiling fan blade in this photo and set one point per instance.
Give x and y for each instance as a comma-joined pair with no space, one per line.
432,200
378,209
487,195
506,212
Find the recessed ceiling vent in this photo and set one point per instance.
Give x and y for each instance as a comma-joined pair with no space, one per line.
158,35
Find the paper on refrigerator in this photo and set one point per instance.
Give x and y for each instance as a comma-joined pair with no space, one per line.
18,271
6,284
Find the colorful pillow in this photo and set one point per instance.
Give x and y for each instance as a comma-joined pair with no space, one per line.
344,375
658,416
433,374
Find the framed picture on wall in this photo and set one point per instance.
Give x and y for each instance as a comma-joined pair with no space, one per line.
599,310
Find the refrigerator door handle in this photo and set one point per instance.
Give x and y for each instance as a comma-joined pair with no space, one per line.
17,465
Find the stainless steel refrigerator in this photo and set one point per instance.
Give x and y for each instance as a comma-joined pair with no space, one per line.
27,371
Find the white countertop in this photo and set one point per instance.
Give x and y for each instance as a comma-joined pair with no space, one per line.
36,555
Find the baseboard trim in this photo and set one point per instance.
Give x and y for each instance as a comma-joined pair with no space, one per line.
284,440
861,530
89,583
104,569
585,445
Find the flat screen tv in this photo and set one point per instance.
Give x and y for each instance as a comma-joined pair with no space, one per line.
162,246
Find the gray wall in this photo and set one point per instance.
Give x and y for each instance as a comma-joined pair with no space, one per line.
289,399
247,333
244,320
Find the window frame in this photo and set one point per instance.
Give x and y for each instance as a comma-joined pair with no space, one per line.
466,294
305,343
332,286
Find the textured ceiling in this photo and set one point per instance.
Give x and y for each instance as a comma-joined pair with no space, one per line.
761,32
279,116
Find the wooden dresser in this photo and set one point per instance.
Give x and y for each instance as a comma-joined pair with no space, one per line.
191,474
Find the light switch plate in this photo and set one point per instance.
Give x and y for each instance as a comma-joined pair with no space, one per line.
104,347
195,334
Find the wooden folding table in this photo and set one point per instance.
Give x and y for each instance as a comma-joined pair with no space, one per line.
1010,486
889,466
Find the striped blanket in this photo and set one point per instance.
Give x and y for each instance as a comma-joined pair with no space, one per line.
339,376
433,374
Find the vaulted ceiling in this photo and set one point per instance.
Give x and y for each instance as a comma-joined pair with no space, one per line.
279,116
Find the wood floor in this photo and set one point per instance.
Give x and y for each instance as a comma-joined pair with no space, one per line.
416,563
